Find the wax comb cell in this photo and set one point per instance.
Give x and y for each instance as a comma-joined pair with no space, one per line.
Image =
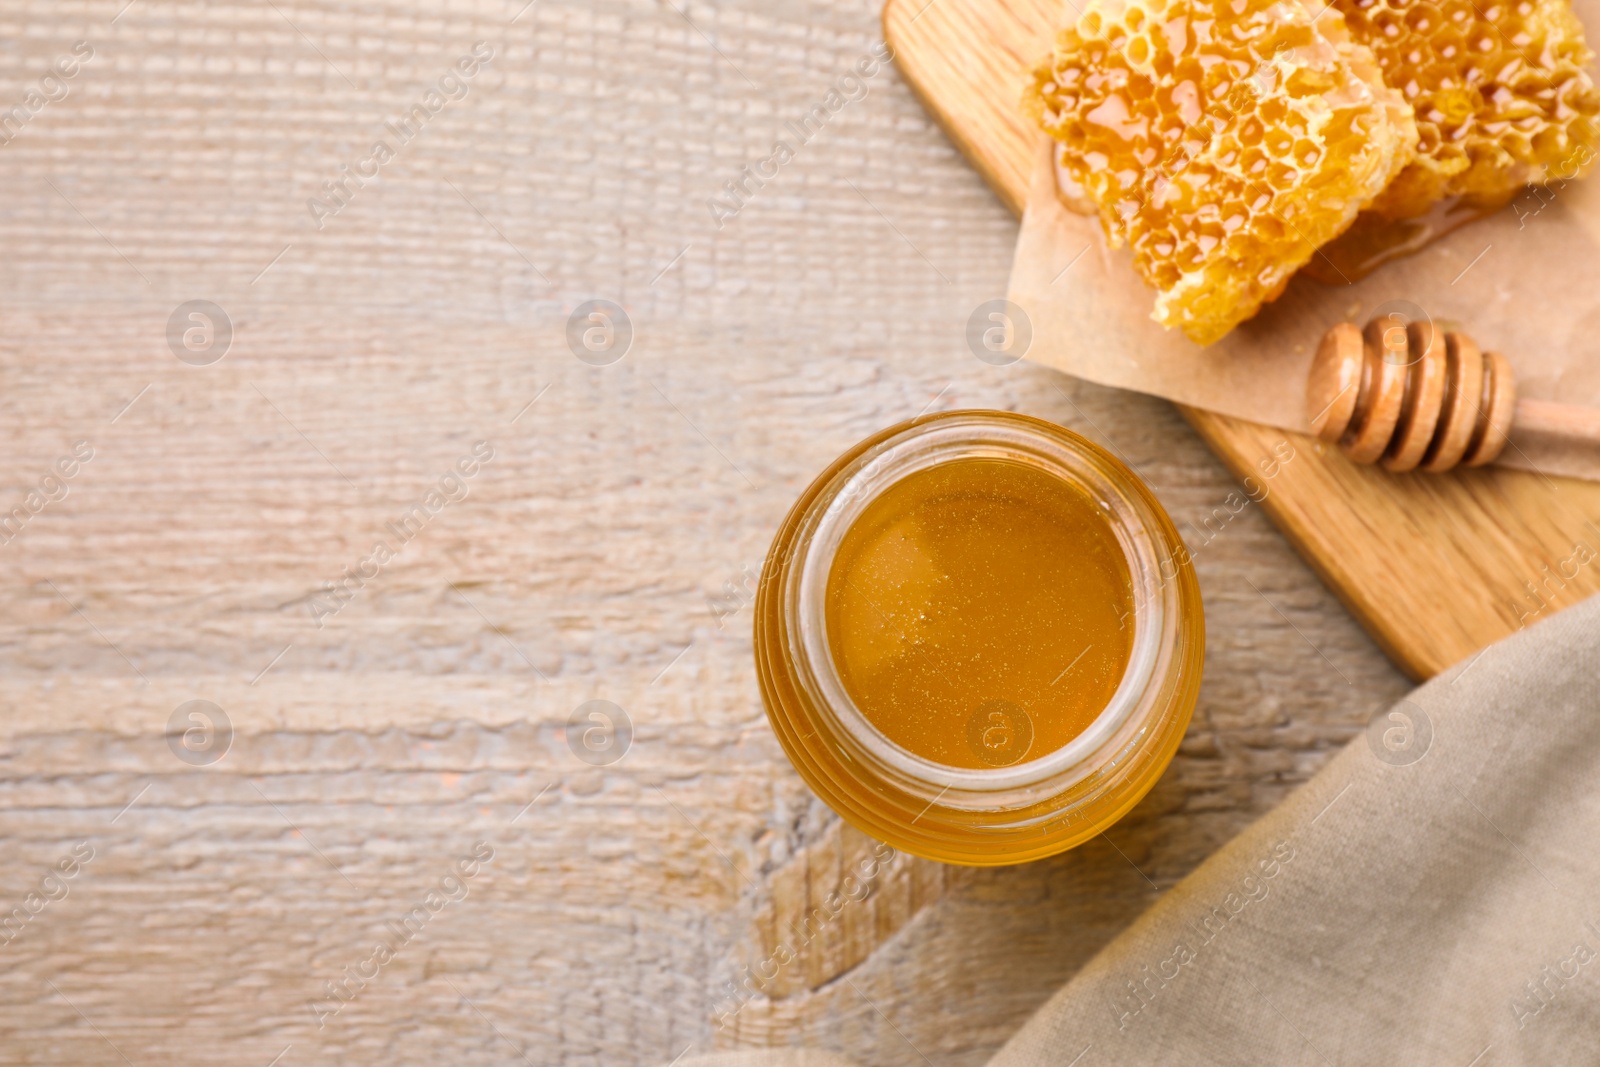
1222,142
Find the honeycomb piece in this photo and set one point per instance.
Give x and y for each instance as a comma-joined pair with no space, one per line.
1223,141
1500,92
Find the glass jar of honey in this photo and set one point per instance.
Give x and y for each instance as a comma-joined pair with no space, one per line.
979,637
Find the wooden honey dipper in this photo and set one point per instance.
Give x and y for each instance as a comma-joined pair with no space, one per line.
1415,397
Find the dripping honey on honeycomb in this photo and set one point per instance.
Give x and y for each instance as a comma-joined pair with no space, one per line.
1222,141
1502,99
1500,92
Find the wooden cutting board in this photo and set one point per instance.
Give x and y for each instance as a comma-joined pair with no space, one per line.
1434,566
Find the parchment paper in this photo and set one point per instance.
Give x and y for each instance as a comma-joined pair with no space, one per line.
1523,282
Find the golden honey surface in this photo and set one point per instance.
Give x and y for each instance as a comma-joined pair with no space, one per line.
1223,142
1500,93
979,612
1376,239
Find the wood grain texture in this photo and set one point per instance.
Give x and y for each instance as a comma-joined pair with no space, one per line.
1434,568
601,554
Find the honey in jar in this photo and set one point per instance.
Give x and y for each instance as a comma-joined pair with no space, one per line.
977,612
979,637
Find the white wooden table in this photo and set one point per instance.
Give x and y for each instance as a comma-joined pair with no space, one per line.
591,558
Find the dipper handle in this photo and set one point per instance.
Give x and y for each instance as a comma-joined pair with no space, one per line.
1415,397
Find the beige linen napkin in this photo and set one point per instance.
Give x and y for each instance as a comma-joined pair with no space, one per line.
1431,897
